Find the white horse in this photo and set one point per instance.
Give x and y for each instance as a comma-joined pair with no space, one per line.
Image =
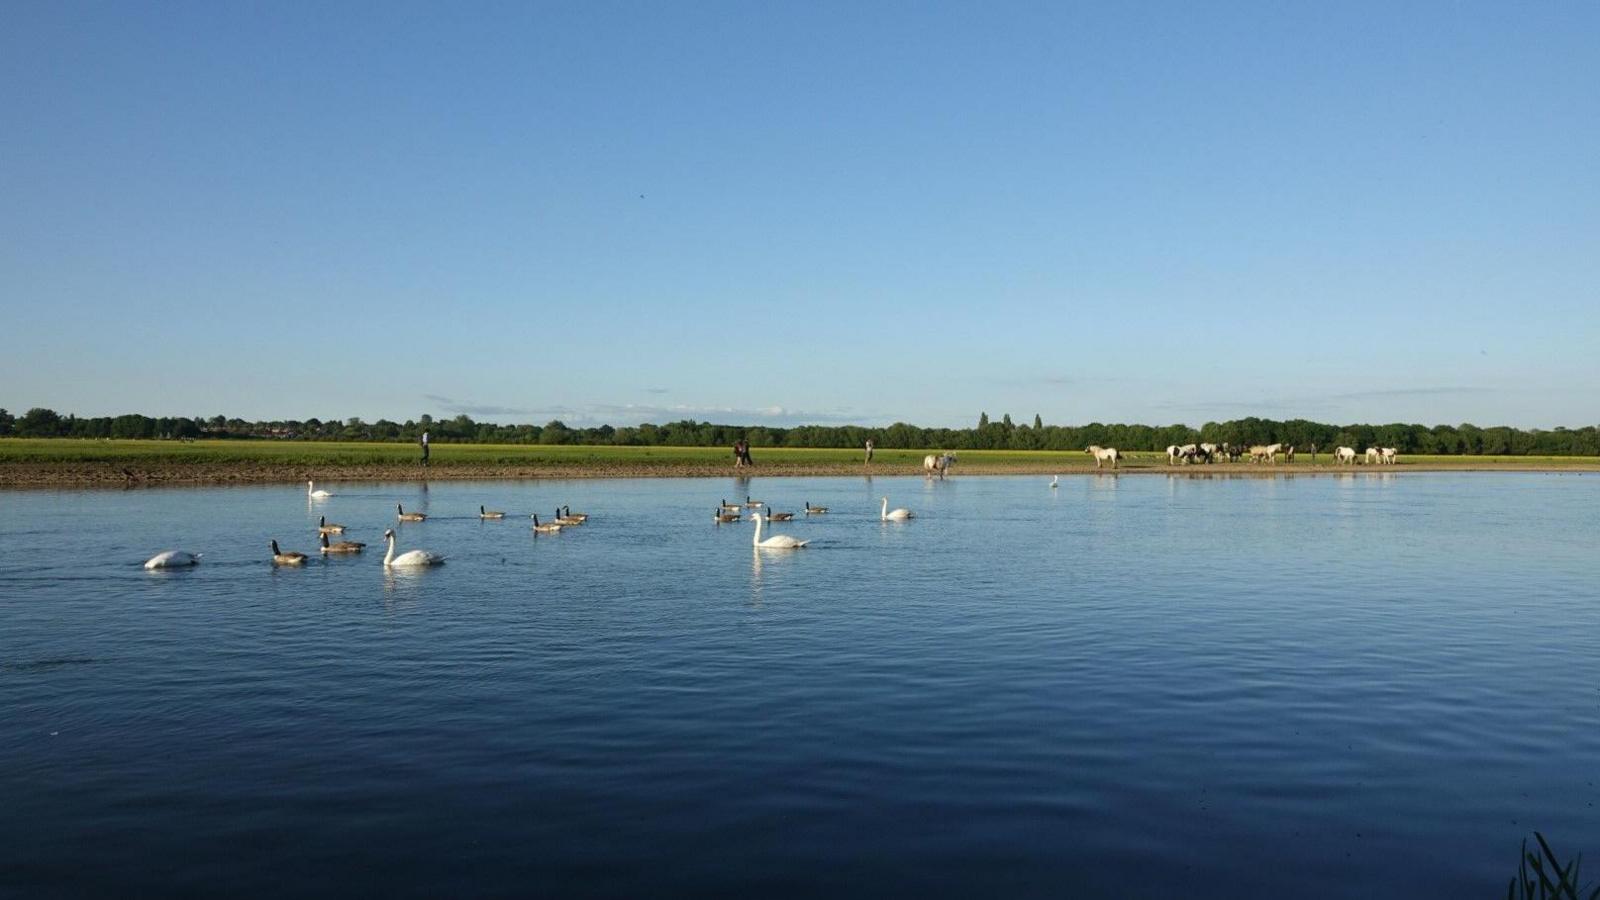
1386,455
1373,456
1172,454
940,464
1103,455
1344,456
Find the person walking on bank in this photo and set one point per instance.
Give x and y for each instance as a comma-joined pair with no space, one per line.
745,444
738,454
869,451
424,448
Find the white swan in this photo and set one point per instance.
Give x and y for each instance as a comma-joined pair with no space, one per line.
172,559
311,491
777,541
409,558
1055,481
897,515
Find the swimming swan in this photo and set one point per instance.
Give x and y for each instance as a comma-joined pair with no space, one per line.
172,559
1055,481
898,515
311,491
341,546
489,513
324,528
410,558
777,541
402,515
292,558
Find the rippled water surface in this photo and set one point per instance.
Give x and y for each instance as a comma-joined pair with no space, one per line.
1142,686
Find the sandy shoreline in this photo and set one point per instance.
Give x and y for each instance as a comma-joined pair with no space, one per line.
90,475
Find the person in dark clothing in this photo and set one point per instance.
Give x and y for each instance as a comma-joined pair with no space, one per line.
424,448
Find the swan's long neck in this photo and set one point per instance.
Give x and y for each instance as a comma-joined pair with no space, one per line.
885,513
310,485
757,539
389,557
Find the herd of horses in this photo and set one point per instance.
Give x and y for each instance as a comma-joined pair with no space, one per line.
1186,454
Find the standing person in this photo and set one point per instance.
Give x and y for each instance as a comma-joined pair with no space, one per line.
869,451
424,447
747,460
738,453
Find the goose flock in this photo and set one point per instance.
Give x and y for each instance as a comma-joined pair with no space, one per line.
564,518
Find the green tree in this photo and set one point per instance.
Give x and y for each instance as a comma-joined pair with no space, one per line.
39,422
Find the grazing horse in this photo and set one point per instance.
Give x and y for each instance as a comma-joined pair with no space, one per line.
1173,455
1266,453
1373,455
1209,451
939,464
1103,455
1344,456
1188,452
1386,455
1232,451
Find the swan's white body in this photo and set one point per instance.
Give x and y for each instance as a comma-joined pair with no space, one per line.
172,559
1055,481
410,558
896,515
311,491
777,541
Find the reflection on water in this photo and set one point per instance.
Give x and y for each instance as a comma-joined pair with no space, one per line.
1311,687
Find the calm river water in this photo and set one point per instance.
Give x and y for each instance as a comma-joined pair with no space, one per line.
1142,686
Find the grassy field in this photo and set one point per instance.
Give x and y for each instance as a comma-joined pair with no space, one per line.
25,462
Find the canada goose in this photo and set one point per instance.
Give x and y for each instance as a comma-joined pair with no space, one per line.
778,516
898,515
311,491
341,546
722,515
287,559
815,510
730,507
404,516
752,504
410,558
545,528
172,559
563,520
567,513
489,513
777,541
324,528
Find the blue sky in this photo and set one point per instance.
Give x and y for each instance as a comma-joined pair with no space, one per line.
816,212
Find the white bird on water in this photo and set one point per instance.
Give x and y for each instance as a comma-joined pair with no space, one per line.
777,541
897,515
410,558
311,491
172,559
1055,481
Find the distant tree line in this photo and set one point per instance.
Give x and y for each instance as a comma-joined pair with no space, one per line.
987,435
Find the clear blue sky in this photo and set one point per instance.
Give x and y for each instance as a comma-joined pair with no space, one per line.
820,212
